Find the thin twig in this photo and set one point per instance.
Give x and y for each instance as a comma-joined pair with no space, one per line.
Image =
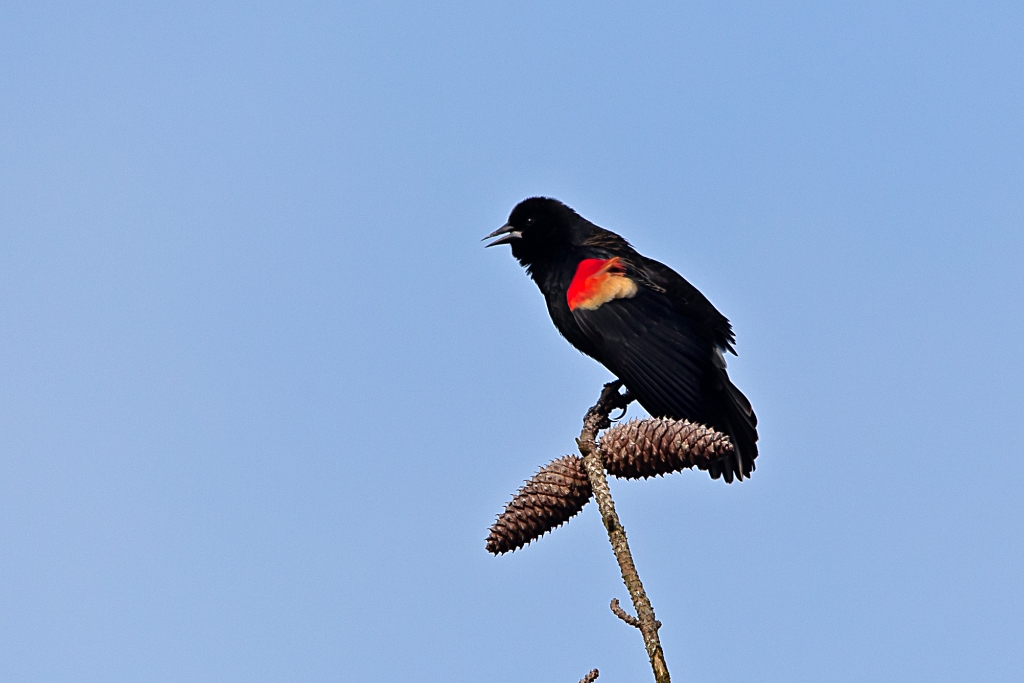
623,614
590,677
626,616
595,420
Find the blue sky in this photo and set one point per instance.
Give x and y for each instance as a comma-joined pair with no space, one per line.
264,390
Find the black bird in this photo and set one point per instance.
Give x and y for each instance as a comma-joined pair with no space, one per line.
638,318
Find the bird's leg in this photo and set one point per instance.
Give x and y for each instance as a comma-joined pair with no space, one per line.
610,400
625,400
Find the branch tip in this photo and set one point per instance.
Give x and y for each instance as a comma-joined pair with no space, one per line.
623,614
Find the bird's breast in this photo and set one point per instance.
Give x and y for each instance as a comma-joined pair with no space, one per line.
598,281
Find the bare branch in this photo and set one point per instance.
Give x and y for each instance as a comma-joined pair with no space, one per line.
590,677
597,419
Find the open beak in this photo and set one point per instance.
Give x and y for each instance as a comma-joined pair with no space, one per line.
509,233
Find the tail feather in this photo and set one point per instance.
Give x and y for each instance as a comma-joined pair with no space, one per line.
735,416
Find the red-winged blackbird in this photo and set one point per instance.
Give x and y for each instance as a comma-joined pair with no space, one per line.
638,318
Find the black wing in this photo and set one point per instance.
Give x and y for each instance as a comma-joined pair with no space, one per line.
672,363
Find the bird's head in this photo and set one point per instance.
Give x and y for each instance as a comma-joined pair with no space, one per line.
537,228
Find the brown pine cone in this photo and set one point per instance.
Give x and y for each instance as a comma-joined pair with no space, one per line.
551,497
656,446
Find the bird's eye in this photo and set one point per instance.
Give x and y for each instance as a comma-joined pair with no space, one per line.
529,221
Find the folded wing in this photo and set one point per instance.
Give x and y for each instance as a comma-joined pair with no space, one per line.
673,366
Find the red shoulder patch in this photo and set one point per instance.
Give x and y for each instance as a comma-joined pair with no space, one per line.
598,281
